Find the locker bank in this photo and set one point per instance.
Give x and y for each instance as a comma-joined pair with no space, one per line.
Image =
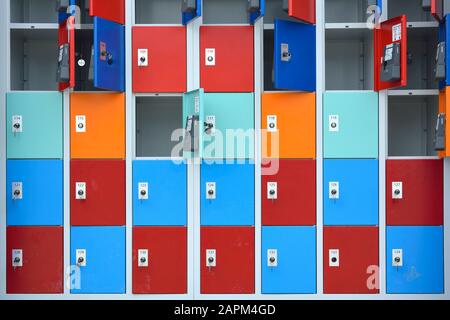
225,149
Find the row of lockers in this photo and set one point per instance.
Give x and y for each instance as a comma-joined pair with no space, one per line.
414,260
414,192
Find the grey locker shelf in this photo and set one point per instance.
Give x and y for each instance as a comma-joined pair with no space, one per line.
158,11
225,12
349,11
33,11
412,9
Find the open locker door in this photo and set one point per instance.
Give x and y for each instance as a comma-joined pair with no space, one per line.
295,56
66,59
391,46
189,13
437,9
256,12
112,10
193,123
304,10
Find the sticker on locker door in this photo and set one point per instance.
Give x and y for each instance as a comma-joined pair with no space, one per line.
333,190
397,257
210,190
17,191
333,257
17,258
17,125
80,123
272,123
80,190
143,191
272,258
272,190
396,32
142,58
333,123
210,257
80,256
397,190
210,57
210,125
142,258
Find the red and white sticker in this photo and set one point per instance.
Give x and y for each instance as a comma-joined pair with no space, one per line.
397,32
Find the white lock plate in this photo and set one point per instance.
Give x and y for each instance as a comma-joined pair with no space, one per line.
210,56
17,191
210,257
211,120
397,190
80,257
333,123
80,123
17,258
143,191
142,258
17,125
397,257
80,190
142,58
272,190
210,190
333,257
272,258
333,190
272,123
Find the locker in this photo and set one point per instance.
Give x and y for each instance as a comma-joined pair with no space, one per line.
295,193
29,186
159,193
34,260
444,106
97,125
285,118
227,58
34,125
415,260
159,59
159,260
227,260
97,192
350,260
98,256
232,132
113,10
350,192
227,194
414,192
288,260
193,119
350,125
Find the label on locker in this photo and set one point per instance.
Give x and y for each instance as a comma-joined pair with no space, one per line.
333,190
142,258
142,57
397,190
272,123
17,125
80,123
210,257
80,257
210,125
143,191
210,57
197,104
272,190
80,190
272,258
397,257
397,32
17,191
333,255
210,190
17,258
333,123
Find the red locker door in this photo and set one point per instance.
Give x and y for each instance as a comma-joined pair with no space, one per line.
295,190
163,64
66,35
350,260
304,10
112,10
234,260
226,58
34,260
421,192
165,252
102,200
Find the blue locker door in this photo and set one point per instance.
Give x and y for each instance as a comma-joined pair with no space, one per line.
294,252
356,198
193,106
422,255
109,55
41,202
104,269
165,199
233,198
295,56
190,16
254,16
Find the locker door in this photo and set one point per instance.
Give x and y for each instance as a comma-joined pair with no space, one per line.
163,66
232,268
295,190
97,193
232,134
35,181
350,192
295,56
304,10
193,115
113,10
350,125
444,107
254,16
102,267
421,196
415,260
444,36
66,35
159,193
391,31
227,194
288,260
437,9
109,55
34,125
187,17
159,260
350,260
39,265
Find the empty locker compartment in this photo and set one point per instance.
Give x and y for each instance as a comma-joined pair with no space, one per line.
350,11
158,126
225,12
412,8
33,11
158,11
411,125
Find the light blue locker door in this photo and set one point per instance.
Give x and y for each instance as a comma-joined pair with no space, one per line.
38,185
232,135
355,200
288,260
231,202
421,253
103,269
350,124
159,193
34,125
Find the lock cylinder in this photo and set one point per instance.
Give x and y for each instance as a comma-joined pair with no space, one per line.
80,260
17,193
80,192
210,259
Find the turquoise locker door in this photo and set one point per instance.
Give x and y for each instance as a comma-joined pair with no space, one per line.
350,124
231,117
193,123
34,125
